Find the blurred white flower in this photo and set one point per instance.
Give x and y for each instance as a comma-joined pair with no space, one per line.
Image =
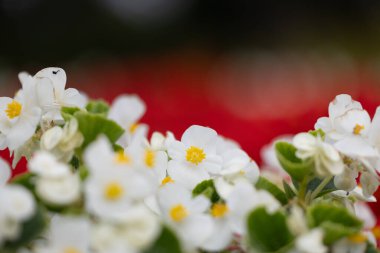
326,159
311,242
194,158
67,234
5,172
46,165
186,215
127,110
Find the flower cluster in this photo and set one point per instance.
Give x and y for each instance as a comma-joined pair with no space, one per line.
96,183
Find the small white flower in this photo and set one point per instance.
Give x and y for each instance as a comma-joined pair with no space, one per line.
19,118
311,242
194,158
67,234
46,165
160,142
326,159
186,215
51,93
352,244
297,221
16,202
59,191
127,110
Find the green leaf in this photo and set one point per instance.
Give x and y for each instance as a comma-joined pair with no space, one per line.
295,167
371,248
93,125
313,184
68,112
30,230
336,221
207,188
268,232
26,180
288,190
98,107
265,184
167,242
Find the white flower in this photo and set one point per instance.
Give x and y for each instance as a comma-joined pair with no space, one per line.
62,141
17,206
19,117
67,234
353,244
244,198
194,158
311,242
186,215
132,234
51,93
5,172
59,191
346,118
46,165
326,159
127,110
160,142
297,221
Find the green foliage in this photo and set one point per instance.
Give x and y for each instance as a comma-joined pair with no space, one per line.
336,221
265,184
295,167
98,107
268,232
207,188
26,180
68,112
313,184
93,125
371,248
167,242
288,190
31,230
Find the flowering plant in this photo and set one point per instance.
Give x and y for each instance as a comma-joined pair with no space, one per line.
96,184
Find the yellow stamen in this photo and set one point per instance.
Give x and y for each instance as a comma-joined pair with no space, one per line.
150,158
376,232
195,155
113,191
357,238
122,158
133,128
71,250
358,128
13,109
178,213
219,210
167,180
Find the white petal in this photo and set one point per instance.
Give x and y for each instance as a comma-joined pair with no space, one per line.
186,176
197,229
127,109
201,137
57,77
347,122
5,172
220,238
355,147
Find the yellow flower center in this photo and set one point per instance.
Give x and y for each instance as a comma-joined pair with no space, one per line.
71,250
133,128
113,191
178,213
357,238
13,109
195,155
358,128
219,210
167,180
376,232
150,158
122,158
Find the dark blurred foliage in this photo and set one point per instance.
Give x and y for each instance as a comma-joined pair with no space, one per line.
46,32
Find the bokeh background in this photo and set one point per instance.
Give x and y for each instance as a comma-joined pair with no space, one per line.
252,70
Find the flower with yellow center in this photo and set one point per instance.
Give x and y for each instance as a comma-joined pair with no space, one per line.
122,158
13,109
357,129
357,238
71,250
113,191
133,127
195,155
167,180
178,213
219,210
149,158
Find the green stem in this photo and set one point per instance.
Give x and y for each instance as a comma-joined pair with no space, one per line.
320,187
302,189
